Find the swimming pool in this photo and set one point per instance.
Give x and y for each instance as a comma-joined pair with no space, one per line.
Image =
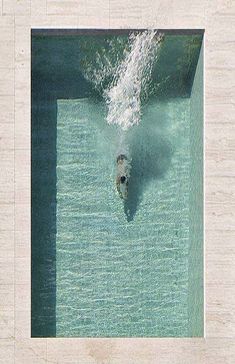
101,266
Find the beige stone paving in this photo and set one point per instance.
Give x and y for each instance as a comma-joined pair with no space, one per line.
17,17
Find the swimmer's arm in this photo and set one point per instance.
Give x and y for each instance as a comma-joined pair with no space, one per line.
118,180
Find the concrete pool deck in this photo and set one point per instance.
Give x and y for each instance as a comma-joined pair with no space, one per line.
17,18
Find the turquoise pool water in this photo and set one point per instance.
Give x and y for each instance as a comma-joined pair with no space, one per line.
102,267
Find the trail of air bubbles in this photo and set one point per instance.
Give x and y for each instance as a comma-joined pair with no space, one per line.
131,79
121,73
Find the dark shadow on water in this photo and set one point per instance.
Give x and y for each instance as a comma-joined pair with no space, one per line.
151,155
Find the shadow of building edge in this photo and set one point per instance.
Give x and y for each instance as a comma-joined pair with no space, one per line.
43,211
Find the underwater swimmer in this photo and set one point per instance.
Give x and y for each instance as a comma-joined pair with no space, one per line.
123,175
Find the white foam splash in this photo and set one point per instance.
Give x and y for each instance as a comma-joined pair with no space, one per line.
102,68
130,80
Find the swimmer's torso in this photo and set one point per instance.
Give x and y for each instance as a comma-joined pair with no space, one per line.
123,175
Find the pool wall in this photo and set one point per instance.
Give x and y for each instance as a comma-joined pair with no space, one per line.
196,203
16,21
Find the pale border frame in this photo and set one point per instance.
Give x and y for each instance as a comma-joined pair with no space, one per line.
16,20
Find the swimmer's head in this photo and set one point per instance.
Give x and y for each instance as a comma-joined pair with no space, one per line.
123,178
121,157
